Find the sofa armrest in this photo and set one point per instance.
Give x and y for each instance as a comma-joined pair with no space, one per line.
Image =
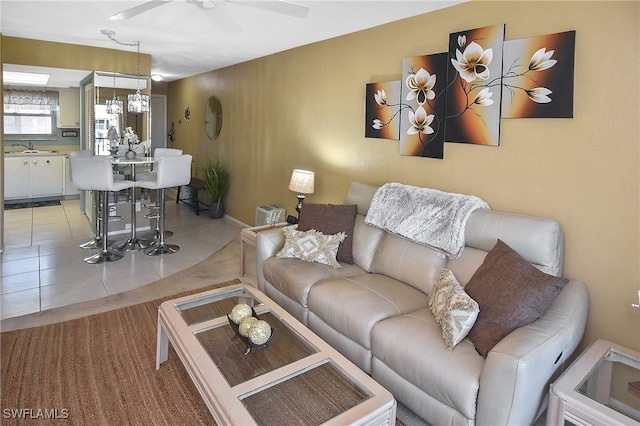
268,243
518,370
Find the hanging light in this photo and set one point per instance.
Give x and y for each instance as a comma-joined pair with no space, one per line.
114,106
137,102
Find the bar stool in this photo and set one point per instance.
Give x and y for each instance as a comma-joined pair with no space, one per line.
170,171
96,174
155,234
94,242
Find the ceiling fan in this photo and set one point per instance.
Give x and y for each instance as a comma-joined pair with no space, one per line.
220,18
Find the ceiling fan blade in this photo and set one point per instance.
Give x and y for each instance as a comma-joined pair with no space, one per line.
134,11
219,18
279,6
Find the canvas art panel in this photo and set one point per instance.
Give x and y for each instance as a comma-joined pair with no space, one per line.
423,105
538,76
382,108
474,80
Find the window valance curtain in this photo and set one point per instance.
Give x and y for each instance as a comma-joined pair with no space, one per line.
31,97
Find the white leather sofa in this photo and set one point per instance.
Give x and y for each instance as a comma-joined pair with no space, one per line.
369,312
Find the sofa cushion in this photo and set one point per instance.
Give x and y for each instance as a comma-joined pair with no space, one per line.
416,265
453,309
511,293
331,219
408,345
311,246
294,277
352,305
365,243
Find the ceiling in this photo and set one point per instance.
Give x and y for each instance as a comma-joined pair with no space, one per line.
185,39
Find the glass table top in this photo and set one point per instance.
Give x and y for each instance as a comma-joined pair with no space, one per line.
227,350
215,306
311,398
615,383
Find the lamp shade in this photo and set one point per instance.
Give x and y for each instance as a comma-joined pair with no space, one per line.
302,181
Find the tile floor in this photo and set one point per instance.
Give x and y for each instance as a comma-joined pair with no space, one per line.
42,266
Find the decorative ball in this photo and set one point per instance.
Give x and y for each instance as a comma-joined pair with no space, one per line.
260,332
240,311
246,324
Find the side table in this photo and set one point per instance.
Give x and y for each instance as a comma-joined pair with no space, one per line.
599,388
248,236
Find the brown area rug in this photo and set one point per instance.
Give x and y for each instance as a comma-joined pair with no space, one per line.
97,370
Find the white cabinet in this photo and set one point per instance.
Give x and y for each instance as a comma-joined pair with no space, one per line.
16,178
47,176
69,112
32,176
69,189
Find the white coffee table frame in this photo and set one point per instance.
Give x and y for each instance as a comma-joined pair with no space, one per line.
225,402
566,403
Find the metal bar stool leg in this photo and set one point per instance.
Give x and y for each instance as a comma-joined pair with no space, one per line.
161,247
106,254
95,242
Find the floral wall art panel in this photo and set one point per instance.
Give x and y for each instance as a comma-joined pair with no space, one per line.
382,110
423,105
538,76
474,81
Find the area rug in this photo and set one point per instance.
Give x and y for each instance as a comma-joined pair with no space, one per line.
31,204
97,370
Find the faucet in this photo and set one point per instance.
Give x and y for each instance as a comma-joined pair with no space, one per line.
30,147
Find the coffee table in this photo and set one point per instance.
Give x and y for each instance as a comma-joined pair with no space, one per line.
298,378
599,388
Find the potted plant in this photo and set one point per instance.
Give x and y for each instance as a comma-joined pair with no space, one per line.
217,182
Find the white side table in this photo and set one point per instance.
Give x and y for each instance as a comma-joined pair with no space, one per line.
598,388
248,236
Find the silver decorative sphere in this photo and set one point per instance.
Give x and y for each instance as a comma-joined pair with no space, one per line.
240,311
246,324
260,332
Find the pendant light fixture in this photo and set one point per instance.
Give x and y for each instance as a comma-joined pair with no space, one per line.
114,106
136,102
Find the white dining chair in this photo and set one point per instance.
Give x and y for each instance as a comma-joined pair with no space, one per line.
169,172
157,153
95,173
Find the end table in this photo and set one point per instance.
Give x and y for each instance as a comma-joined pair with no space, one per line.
248,235
599,388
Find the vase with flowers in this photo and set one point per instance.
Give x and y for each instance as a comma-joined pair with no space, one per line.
131,139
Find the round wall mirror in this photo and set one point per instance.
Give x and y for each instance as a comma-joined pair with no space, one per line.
213,117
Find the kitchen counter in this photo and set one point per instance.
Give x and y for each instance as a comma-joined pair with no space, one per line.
32,152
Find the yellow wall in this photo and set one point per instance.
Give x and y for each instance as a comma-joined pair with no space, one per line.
305,108
72,56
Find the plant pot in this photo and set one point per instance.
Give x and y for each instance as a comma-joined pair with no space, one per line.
216,210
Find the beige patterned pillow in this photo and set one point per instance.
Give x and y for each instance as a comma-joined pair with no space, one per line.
453,309
311,246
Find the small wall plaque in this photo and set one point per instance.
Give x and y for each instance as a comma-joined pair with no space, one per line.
69,133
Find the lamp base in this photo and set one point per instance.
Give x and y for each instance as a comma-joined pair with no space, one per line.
301,198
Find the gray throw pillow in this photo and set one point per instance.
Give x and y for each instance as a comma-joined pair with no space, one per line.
511,293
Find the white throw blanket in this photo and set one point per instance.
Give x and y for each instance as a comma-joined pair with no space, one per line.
425,216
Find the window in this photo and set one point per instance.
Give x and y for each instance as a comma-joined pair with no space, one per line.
30,113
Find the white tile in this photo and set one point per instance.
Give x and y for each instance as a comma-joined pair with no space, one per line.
43,267
19,303
19,253
20,266
17,282
77,271
67,293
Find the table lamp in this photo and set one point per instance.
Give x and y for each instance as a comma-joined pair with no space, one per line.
302,182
